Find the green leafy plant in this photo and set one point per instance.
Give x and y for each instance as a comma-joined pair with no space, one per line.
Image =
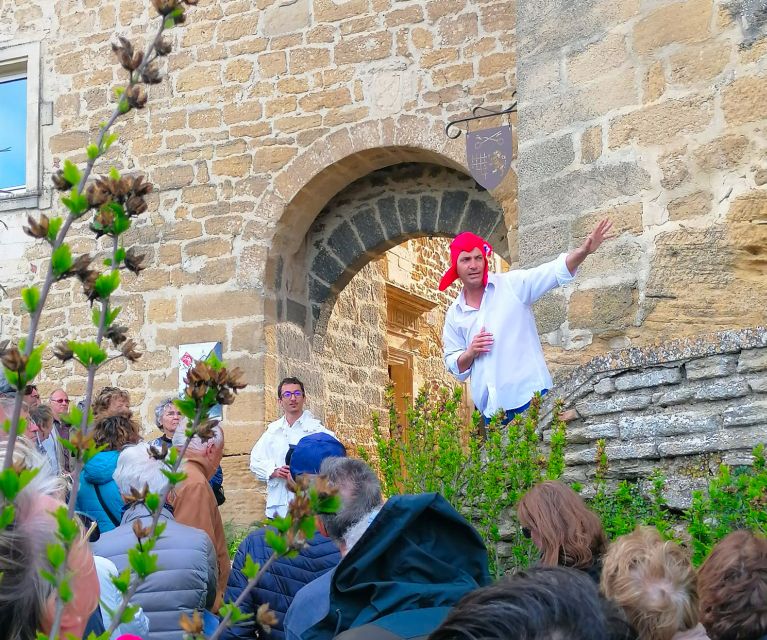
483,472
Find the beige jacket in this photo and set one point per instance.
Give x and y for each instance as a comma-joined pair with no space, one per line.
195,506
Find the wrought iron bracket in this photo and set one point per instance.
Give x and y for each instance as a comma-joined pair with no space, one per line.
476,116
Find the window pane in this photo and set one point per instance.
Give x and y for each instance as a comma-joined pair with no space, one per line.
13,133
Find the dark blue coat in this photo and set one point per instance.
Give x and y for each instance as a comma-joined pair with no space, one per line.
418,553
281,581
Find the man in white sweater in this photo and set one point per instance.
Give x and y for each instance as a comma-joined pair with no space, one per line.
490,331
267,459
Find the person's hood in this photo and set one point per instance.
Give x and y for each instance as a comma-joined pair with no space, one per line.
99,469
418,553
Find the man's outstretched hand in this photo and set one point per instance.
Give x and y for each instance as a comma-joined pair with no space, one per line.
594,240
600,233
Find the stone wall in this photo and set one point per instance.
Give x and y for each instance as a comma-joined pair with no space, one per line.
651,113
683,407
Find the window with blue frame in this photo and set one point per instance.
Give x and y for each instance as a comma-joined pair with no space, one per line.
13,127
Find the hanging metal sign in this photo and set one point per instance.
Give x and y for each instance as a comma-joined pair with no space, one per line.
488,154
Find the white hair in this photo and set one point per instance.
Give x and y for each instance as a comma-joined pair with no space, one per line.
136,468
196,445
45,481
357,530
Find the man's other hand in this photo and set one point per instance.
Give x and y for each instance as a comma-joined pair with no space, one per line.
481,343
281,472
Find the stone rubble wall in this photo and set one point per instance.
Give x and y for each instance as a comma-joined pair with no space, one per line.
683,407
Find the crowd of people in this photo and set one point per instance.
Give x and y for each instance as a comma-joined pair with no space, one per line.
408,566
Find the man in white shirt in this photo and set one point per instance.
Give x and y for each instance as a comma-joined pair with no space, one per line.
490,331
267,459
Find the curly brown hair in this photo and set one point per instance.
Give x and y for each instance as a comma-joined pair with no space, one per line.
105,397
732,584
653,581
115,430
570,534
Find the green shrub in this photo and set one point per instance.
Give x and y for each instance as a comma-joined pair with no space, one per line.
484,471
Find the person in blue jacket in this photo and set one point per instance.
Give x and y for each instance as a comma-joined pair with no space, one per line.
287,575
98,496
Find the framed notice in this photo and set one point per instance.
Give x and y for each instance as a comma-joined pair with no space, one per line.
188,354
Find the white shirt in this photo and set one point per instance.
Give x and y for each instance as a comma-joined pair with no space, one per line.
269,453
110,599
509,375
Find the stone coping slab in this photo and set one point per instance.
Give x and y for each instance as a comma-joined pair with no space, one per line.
664,353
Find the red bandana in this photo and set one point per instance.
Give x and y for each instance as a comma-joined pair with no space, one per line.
465,241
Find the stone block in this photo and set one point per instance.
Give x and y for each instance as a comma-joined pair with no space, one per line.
751,360
306,59
220,306
545,160
699,63
678,22
689,445
660,123
592,432
690,206
326,267
626,218
602,310
743,438
605,386
711,366
614,404
578,191
649,378
369,229
749,207
745,100
758,384
550,312
174,336
455,30
428,213
745,413
272,64
172,177
344,243
577,105
364,48
674,168
735,387
198,77
606,54
235,166
591,144
666,424
480,218
622,451
451,211
654,82
279,19
725,152
678,395
389,216
538,78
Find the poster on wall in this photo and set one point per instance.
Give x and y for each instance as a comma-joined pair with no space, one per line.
188,354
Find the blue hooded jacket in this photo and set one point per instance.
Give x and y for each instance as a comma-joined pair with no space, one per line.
280,583
98,473
418,553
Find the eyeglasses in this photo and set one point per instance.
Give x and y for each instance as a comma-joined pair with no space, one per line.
526,532
286,395
60,401
31,390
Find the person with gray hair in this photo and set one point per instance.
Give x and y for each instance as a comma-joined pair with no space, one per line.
360,493
188,568
167,417
195,504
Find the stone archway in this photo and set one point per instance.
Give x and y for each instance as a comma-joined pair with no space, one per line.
374,213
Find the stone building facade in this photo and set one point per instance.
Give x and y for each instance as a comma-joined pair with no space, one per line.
267,139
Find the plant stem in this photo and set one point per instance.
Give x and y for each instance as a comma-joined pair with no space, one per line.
241,598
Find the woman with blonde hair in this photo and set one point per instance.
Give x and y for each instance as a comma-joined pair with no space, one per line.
560,524
653,581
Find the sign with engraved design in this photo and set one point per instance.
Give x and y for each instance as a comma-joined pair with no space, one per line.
488,154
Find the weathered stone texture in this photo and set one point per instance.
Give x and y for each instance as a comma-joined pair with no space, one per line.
668,404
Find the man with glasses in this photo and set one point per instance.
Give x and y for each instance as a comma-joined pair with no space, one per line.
267,460
60,406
